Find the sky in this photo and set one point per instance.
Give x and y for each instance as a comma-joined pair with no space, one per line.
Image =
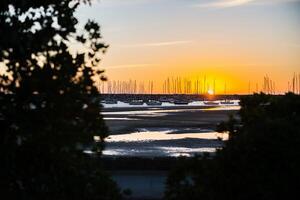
232,41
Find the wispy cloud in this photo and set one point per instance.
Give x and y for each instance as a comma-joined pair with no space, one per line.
160,44
130,66
224,3
234,3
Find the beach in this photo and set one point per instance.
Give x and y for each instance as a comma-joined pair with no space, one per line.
125,120
164,131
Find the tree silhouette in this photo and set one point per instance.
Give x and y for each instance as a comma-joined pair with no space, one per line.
48,107
259,161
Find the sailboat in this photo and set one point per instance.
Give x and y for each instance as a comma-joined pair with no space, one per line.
153,103
226,101
211,103
136,102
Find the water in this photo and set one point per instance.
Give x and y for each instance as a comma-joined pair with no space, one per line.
119,118
164,131
164,112
143,184
163,143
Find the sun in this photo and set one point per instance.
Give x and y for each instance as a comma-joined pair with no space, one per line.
210,92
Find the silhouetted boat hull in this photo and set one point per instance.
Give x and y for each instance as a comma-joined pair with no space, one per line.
154,103
227,103
181,102
136,103
110,101
211,103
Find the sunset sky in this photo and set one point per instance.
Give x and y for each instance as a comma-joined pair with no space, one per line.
236,41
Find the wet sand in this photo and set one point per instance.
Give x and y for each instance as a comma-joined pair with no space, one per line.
126,120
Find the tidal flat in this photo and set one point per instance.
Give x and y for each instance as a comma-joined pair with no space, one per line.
164,131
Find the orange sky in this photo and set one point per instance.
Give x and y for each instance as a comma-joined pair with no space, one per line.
232,41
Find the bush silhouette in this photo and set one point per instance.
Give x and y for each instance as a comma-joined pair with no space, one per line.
260,160
48,109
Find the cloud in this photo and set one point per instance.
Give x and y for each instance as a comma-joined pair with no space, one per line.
131,66
224,3
234,3
160,44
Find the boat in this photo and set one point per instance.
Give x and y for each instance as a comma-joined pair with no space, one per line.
211,103
181,102
153,103
227,102
110,101
164,100
136,102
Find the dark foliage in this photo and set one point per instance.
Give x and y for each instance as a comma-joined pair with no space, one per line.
261,159
48,112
